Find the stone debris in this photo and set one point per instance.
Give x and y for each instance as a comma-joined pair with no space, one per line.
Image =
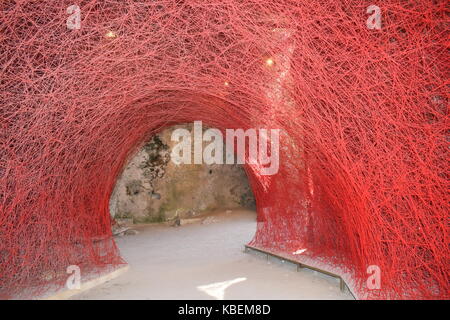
119,230
131,232
124,222
122,227
209,220
177,222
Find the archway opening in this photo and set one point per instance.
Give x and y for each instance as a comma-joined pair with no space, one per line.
153,188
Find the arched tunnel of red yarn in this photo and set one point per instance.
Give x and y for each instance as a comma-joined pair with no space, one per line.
363,113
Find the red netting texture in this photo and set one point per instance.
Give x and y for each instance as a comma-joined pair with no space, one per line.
363,176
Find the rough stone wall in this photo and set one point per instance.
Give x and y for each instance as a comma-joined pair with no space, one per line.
154,189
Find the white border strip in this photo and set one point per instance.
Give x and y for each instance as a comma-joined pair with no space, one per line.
68,293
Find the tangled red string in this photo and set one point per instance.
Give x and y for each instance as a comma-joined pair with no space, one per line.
363,177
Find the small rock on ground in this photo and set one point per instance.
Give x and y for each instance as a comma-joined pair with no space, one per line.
209,220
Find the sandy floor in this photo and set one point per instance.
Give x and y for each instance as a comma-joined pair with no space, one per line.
206,261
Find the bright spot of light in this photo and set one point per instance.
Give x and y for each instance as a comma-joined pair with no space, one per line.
299,251
217,289
110,34
269,62
226,83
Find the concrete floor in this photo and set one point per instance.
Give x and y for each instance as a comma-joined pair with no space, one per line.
206,261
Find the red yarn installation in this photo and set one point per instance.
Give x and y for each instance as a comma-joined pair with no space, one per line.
363,177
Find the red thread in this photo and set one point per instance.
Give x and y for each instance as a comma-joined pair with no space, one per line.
364,173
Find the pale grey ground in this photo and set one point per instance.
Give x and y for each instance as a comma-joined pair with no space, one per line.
206,261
